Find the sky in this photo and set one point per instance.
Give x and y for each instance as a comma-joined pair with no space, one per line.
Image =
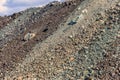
8,7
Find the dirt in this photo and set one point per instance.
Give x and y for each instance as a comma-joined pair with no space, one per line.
88,49
7,19
17,49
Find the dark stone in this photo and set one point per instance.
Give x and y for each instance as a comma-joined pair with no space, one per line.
87,78
45,30
72,23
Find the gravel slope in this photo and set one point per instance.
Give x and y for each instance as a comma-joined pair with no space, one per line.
34,25
85,45
86,50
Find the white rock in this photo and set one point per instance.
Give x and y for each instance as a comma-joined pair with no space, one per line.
70,36
79,8
83,26
118,4
118,34
84,11
81,16
29,36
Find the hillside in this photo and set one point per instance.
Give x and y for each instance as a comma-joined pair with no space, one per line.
72,40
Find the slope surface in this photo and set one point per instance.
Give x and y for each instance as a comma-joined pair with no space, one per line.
32,26
85,47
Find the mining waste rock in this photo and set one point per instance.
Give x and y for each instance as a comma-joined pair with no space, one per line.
70,40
